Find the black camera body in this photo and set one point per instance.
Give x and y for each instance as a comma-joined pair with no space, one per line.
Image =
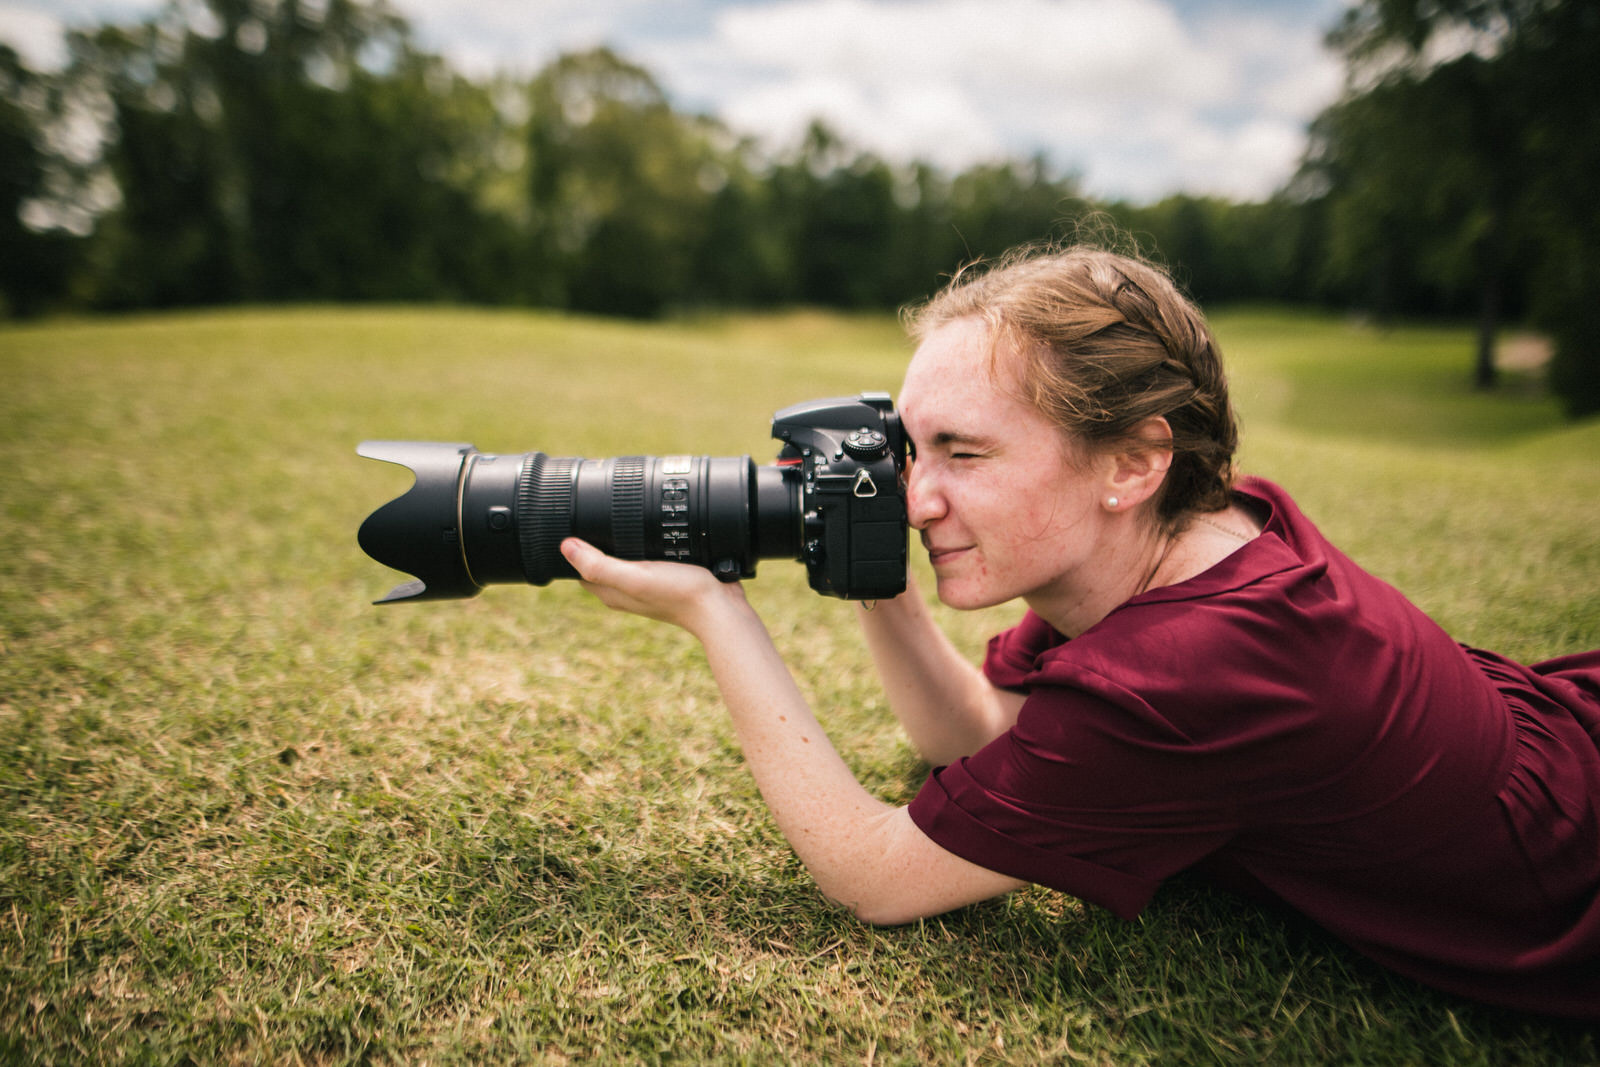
835,501
852,493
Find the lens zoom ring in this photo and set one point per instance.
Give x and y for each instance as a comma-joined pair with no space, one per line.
544,515
627,507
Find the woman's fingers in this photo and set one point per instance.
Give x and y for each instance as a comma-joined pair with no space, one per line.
670,592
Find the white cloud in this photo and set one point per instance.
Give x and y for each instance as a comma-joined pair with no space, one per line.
35,34
484,36
36,28
1142,102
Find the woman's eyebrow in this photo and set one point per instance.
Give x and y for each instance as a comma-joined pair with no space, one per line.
956,437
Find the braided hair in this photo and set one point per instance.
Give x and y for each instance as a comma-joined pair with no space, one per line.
1106,342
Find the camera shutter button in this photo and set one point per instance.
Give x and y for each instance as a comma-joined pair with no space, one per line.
866,444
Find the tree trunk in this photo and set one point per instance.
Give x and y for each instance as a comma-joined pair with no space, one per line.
1483,374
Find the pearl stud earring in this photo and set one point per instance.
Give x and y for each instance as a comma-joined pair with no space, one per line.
1111,502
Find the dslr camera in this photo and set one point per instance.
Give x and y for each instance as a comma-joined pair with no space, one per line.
834,500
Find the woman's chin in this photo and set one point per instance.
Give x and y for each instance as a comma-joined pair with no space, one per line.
966,596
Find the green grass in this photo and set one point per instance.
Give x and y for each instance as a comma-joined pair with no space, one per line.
247,817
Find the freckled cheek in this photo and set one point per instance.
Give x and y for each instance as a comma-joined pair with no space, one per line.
1030,525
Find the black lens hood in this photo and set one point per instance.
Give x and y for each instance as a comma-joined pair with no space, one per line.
420,532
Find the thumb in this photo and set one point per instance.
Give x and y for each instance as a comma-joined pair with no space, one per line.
583,556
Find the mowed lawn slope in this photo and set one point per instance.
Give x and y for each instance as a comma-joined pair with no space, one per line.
247,817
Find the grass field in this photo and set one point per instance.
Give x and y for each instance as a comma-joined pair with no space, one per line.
246,817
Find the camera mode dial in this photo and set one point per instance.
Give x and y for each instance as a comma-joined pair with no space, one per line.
866,444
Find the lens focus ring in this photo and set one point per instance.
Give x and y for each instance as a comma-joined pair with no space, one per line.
627,507
544,515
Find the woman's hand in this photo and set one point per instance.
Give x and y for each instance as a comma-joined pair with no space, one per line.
678,593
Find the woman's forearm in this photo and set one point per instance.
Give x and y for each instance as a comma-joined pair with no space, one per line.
842,833
946,705
863,853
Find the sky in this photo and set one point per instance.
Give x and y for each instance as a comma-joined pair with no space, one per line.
1141,98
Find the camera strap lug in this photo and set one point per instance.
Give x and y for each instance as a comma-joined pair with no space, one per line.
865,487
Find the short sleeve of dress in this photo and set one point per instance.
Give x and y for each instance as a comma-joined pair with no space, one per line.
1092,793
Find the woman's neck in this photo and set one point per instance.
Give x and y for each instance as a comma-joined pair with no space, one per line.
1133,564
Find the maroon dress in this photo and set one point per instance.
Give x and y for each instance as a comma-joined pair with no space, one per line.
1290,727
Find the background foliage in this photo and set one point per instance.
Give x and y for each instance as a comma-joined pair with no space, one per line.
289,151
246,817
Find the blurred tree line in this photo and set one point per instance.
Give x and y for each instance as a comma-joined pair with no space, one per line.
308,150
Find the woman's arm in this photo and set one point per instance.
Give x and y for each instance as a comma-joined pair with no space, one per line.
863,853
946,705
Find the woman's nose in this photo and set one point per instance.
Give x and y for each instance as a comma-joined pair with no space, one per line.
924,504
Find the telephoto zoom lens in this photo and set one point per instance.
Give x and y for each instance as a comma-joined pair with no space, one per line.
477,518
707,510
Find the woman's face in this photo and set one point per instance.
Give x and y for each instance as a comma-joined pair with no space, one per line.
1003,509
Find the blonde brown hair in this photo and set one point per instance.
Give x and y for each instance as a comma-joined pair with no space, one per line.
1106,341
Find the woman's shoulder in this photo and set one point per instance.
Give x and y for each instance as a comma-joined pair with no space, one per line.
1277,512
1269,503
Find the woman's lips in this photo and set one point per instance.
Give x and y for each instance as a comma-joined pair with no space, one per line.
941,554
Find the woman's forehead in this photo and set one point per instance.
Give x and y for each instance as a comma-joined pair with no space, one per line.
956,385
963,357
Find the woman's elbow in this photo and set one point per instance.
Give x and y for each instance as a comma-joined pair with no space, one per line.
873,905
883,913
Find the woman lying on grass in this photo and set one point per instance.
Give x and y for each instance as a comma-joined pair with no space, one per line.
1202,683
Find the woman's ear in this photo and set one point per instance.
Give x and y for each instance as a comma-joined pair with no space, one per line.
1135,472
